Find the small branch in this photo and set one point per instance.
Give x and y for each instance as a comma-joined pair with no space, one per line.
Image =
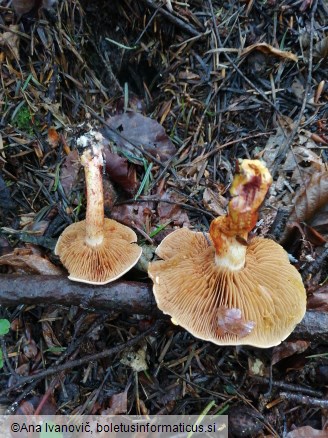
84,360
120,296
173,19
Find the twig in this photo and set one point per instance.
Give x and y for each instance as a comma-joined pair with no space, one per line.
173,19
155,198
305,400
123,296
78,362
288,386
119,296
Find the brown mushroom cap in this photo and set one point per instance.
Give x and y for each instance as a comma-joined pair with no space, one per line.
193,290
103,263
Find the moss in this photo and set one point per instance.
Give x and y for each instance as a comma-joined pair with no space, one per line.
23,120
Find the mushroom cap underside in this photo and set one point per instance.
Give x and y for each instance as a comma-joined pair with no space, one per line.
103,263
268,292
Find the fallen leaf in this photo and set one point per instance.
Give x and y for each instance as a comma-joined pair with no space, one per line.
27,261
6,202
57,112
145,132
269,50
318,300
272,146
287,349
118,404
188,75
310,201
50,338
69,172
232,321
136,359
53,137
256,367
215,202
23,6
28,407
307,432
136,214
171,210
10,41
320,49
121,172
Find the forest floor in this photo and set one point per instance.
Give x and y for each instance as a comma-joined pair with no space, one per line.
193,86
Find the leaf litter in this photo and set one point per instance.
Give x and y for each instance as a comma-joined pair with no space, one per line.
192,96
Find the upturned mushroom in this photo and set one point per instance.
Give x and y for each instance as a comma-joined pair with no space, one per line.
96,250
223,288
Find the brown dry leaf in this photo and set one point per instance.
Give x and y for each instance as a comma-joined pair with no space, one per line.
6,202
29,261
53,137
188,75
215,202
56,111
50,337
232,321
118,404
307,432
310,202
145,132
320,50
121,172
171,211
304,158
136,359
287,349
10,42
269,50
272,146
29,406
69,172
256,367
319,300
136,214
23,6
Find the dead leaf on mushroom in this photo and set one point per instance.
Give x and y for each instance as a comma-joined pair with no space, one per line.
231,321
270,50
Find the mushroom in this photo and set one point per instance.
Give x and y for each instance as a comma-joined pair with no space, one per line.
96,250
223,288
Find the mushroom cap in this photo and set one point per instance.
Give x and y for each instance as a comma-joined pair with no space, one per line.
258,305
100,264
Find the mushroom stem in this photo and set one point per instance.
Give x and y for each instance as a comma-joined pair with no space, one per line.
92,161
229,233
